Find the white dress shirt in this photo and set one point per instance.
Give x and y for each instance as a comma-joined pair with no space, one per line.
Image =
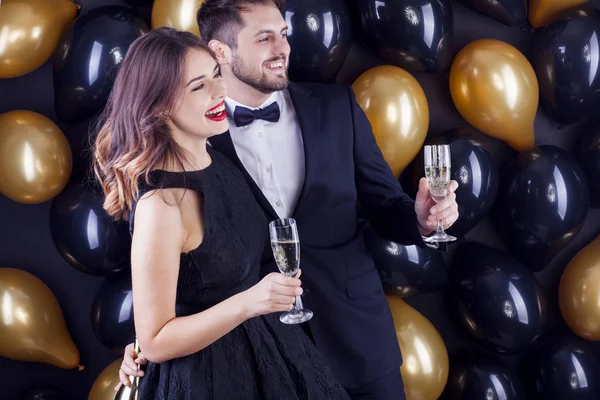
272,152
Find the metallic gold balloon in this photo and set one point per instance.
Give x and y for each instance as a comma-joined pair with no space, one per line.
425,367
104,385
541,12
30,31
35,157
495,89
32,326
397,109
130,393
579,292
178,14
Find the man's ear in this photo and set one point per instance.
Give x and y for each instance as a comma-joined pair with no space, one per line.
221,50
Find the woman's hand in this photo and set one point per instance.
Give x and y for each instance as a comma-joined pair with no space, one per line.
274,293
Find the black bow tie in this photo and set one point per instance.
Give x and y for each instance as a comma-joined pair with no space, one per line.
243,116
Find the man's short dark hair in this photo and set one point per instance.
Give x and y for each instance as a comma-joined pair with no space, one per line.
222,20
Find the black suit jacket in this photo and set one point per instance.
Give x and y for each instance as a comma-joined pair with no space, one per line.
352,324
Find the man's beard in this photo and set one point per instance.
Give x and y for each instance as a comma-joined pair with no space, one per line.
261,83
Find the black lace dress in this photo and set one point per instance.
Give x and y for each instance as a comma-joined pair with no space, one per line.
260,359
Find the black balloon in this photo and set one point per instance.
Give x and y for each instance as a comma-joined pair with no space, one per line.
476,171
112,313
139,3
478,376
415,35
589,158
499,301
87,59
43,393
406,270
566,59
85,235
562,368
542,203
509,12
320,35
80,137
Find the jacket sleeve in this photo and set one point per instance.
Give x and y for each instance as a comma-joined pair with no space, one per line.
389,210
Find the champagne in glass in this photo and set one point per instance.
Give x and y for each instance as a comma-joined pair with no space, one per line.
287,256
437,172
285,244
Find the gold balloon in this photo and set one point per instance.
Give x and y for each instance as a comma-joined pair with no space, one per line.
35,157
425,367
495,89
104,385
579,292
130,393
178,14
30,31
397,109
542,12
32,326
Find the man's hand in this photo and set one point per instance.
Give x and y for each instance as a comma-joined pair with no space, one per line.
429,212
129,366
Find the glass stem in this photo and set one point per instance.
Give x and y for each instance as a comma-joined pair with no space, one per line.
440,226
297,305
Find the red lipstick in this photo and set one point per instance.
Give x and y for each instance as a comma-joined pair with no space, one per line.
217,113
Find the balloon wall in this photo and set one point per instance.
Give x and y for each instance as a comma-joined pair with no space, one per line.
510,311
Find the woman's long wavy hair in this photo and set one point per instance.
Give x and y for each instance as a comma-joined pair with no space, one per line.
134,137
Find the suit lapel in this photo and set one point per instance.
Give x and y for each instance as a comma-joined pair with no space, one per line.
224,145
309,118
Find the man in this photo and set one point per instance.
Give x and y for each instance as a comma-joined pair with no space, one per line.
308,152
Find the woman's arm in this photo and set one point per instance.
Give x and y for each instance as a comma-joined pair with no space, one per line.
157,244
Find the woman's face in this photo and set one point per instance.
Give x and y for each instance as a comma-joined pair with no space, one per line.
200,107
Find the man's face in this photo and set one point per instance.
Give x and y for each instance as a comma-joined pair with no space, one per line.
262,55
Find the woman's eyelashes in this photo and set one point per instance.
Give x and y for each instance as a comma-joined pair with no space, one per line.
217,75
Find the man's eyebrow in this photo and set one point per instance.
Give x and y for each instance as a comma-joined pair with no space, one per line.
269,31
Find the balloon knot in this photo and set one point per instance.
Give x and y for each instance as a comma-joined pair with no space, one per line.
80,368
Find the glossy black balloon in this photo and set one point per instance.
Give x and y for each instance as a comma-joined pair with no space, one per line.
406,270
85,235
478,376
415,35
139,3
43,393
561,368
88,57
498,299
476,171
589,159
112,313
542,203
509,12
79,134
320,35
566,60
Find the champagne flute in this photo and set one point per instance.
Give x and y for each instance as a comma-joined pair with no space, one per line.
437,172
285,244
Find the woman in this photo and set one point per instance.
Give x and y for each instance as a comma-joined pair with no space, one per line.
198,237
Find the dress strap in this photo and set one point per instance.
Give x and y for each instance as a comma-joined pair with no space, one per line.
161,179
